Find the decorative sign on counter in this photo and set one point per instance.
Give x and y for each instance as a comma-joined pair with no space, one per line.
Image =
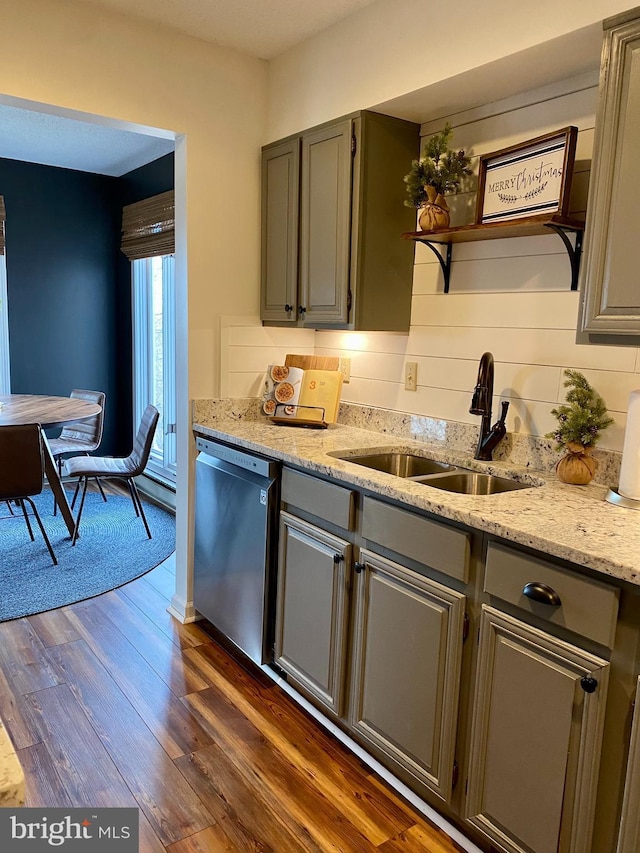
530,179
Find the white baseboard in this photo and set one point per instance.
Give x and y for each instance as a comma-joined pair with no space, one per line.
419,804
182,610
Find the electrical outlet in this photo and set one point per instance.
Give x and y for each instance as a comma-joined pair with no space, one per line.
411,376
345,369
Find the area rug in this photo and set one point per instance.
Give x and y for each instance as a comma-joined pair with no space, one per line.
112,549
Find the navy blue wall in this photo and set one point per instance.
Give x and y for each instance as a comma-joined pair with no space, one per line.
69,286
152,179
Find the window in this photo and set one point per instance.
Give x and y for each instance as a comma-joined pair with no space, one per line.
148,241
154,356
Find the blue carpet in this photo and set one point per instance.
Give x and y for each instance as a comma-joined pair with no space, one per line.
112,549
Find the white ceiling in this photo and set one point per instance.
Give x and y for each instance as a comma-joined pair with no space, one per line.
262,28
53,140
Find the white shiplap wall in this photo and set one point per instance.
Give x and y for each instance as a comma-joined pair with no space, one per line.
247,347
510,297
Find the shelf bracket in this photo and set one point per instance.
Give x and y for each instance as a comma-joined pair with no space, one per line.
574,252
445,263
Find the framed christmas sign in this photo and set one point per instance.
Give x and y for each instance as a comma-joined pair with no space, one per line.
531,179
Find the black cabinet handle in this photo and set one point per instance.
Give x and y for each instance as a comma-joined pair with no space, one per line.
338,558
588,684
301,310
288,308
541,593
359,567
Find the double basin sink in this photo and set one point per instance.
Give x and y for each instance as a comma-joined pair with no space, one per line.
439,475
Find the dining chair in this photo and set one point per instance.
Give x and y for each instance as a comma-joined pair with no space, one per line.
120,468
80,437
22,466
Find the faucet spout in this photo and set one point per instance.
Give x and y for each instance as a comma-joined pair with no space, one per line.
481,405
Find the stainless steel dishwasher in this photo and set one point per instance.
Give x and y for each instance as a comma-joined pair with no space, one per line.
236,522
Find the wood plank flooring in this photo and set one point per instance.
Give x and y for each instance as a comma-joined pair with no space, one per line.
111,702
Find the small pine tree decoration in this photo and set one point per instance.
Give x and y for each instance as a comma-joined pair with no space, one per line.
440,167
582,421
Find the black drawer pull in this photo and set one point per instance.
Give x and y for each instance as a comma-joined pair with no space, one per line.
588,684
359,567
338,558
288,308
541,593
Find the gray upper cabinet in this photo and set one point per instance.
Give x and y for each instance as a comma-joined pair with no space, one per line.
610,285
280,195
332,253
325,224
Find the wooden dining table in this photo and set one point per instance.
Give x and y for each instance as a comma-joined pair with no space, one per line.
48,412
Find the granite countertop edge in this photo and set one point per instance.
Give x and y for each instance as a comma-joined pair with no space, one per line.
572,523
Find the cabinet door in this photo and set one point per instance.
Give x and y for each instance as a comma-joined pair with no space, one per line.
611,296
629,836
311,611
407,654
535,740
280,195
325,224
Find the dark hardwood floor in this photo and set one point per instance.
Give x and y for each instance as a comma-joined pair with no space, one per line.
111,702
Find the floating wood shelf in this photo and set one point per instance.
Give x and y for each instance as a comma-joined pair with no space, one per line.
500,230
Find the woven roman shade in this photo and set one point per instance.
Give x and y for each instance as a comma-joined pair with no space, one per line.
148,227
3,216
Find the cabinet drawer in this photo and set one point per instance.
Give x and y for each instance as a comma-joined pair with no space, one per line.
588,607
437,545
324,500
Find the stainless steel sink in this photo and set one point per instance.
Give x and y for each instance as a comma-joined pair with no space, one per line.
399,464
429,472
472,483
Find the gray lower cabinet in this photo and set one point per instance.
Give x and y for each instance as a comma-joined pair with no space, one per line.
376,639
311,611
537,721
332,220
406,662
629,835
610,303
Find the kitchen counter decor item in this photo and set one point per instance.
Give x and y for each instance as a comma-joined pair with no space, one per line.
307,394
579,426
532,178
630,467
628,492
439,171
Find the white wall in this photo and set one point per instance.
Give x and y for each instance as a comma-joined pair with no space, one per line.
246,348
397,46
511,297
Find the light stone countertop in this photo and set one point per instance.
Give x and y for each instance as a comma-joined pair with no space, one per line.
573,523
11,774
